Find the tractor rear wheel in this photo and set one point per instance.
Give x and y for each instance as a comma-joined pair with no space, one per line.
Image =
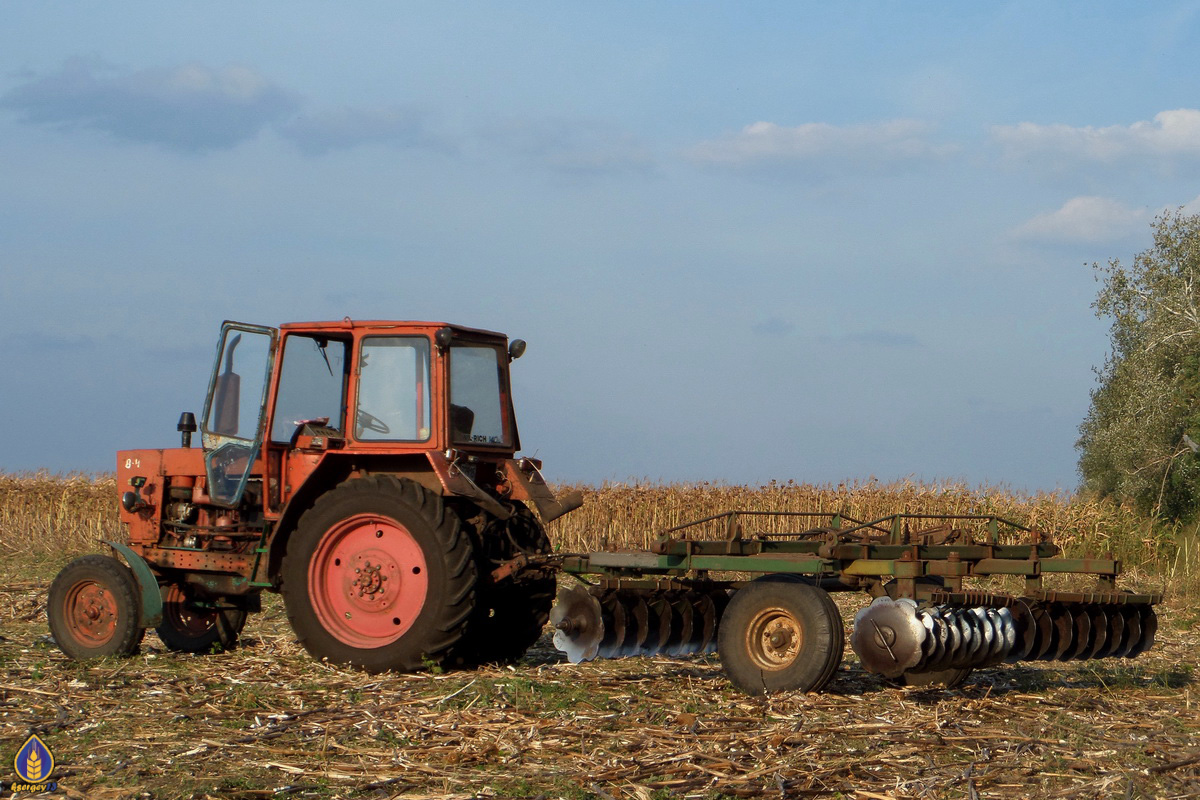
378,575
191,625
780,635
510,614
94,610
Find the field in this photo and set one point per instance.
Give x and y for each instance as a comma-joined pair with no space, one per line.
267,721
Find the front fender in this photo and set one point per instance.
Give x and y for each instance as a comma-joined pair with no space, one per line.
152,608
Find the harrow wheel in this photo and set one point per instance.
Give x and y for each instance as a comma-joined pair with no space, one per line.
380,576
191,625
780,635
93,608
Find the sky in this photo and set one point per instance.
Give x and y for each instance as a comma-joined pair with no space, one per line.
745,241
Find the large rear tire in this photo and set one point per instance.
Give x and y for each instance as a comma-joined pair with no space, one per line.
510,614
191,625
378,575
93,608
778,636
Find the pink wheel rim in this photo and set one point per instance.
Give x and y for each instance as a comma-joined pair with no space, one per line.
91,613
367,581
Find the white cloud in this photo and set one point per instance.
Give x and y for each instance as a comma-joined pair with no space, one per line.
1085,220
190,107
764,143
1172,134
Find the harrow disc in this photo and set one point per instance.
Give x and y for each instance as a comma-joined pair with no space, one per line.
681,625
1114,633
704,624
1133,632
1148,622
660,615
578,623
888,636
637,624
612,642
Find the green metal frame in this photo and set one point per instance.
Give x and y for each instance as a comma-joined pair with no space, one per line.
849,554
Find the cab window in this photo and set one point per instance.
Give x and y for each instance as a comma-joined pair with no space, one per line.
478,406
312,384
393,389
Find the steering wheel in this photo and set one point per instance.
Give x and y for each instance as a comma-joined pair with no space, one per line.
370,422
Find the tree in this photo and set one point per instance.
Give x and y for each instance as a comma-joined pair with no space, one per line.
1136,442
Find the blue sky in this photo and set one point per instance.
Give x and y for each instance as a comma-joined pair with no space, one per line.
745,241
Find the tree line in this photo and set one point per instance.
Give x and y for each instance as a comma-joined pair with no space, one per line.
1140,441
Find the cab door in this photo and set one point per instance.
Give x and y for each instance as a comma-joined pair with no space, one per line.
235,408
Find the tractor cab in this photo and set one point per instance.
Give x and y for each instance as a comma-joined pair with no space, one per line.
280,399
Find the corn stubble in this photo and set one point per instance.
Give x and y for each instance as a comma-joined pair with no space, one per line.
630,515
46,516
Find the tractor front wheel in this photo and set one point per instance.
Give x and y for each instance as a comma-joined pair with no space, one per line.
191,625
378,575
93,608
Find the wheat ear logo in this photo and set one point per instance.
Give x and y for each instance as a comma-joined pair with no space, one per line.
34,761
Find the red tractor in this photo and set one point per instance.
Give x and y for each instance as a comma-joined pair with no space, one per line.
364,470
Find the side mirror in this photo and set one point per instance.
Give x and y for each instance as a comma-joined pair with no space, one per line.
516,349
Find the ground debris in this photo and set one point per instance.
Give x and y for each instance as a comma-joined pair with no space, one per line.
267,721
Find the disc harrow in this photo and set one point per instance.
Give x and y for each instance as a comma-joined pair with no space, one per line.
617,623
784,632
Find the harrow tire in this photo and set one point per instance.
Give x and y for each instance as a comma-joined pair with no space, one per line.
511,614
834,617
189,627
93,608
779,635
379,575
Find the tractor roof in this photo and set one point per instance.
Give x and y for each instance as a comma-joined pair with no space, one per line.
378,324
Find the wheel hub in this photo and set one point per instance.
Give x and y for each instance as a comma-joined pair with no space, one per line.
774,638
92,613
371,579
